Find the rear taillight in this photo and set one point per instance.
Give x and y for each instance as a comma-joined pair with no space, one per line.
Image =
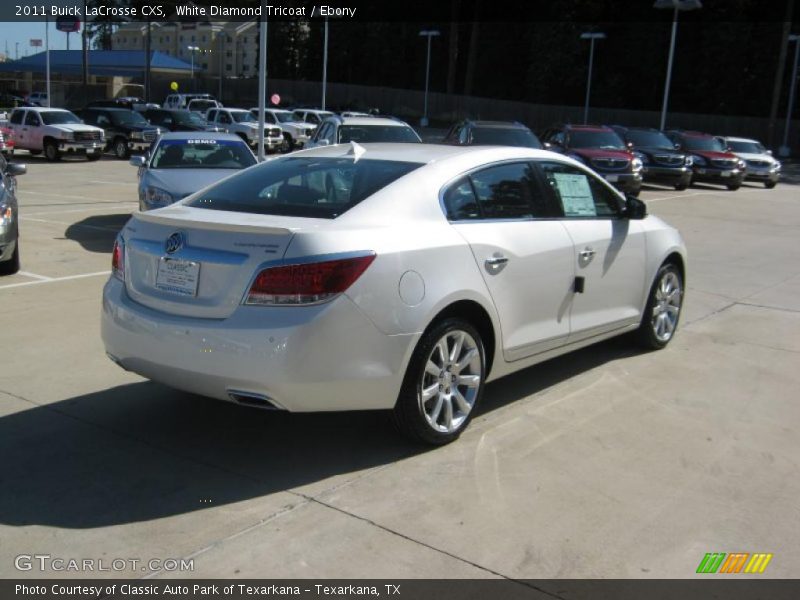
118,260
308,283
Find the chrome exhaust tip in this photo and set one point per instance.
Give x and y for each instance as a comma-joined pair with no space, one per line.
254,399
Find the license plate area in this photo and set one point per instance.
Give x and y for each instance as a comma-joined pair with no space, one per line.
178,276
612,178
726,174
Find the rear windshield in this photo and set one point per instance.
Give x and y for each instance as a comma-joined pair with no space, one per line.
303,187
202,154
505,137
364,134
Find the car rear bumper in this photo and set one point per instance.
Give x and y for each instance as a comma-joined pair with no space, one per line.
318,358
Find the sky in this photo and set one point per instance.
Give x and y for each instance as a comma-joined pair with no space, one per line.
23,32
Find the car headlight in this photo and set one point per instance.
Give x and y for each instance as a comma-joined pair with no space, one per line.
637,164
697,160
5,216
775,166
742,164
157,196
688,161
137,135
67,135
642,157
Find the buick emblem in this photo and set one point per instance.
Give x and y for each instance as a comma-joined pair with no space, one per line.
174,243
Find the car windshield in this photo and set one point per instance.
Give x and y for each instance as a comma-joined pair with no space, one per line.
650,139
504,137
119,117
703,143
303,186
202,105
605,140
365,134
202,154
284,116
242,117
747,147
58,117
190,118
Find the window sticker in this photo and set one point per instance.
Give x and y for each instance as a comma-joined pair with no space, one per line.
576,195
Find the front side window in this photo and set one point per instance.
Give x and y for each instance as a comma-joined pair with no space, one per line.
32,119
17,116
579,194
243,117
303,186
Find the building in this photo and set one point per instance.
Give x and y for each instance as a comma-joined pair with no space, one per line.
227,48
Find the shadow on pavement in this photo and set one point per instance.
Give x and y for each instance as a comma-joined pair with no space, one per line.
97,233
143,451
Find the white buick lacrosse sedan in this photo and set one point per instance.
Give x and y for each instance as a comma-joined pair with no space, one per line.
387,276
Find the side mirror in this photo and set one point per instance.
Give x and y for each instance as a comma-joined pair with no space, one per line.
634,208
677,146
629,145
137,161
547,145
16,169
769,152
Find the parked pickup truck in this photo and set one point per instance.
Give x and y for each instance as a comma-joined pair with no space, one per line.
55,131
242,123
296,134
126,130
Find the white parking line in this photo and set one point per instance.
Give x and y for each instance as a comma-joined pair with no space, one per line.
53,279
53,195
34,275
113,182
76,210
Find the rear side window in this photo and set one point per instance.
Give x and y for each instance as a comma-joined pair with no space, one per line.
303,186
579,194
508,192
16,117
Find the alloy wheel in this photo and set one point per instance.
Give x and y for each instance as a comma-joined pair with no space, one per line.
667,306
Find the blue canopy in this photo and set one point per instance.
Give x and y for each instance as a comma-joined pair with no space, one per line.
124,63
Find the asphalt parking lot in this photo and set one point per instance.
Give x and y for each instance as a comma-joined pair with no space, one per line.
606,463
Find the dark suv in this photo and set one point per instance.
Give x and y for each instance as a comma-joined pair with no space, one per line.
711,161
126,130
491,133
662,163
178,120
600,148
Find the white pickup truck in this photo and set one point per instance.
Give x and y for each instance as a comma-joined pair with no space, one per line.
55,131
243,124
296,134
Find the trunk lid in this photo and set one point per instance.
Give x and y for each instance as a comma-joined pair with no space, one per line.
197,262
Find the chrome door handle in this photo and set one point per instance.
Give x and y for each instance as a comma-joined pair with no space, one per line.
587,253
496,261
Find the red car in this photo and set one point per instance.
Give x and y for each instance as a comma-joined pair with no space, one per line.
600,148
711,161
6,142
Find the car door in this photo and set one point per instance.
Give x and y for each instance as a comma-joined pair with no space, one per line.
609,260
16,124
522,250
32,127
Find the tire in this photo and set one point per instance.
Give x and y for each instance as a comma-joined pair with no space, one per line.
120,148
770,184
635,193
35,152
288,142
733,186
9,267
654,331
51,152
679,187
433,407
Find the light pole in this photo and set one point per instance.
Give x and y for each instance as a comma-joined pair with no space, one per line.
591,37
428,33
47,48
193,49
262,79
785,150
675,5
325,65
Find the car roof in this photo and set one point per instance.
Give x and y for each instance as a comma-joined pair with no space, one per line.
741,139
199,135
41,108
369,121
421,153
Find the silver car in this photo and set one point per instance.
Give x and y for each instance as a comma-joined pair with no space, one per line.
9,216
434,270
181,163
